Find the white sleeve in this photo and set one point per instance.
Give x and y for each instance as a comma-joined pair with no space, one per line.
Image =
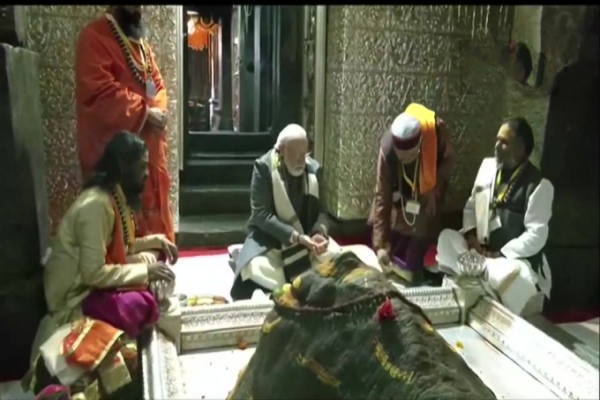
537,216
469,216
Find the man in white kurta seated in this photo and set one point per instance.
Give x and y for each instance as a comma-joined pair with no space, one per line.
288,227
506,220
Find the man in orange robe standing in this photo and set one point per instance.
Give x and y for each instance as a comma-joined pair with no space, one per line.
118,87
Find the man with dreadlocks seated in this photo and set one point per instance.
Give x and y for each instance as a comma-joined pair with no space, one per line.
342,331
288,228
96,281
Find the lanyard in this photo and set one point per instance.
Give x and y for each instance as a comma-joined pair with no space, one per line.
503,190
145,65
411,183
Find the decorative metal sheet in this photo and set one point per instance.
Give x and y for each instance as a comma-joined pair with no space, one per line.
308,87
381,58
235,60
52,32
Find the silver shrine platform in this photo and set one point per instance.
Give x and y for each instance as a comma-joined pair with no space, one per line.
512,357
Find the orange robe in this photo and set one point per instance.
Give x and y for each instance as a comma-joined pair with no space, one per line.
109,99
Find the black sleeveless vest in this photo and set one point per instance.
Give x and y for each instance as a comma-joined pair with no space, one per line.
512,213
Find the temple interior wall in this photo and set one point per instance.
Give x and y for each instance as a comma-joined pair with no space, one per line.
52,33
380,59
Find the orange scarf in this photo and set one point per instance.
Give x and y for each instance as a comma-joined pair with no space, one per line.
428,170
116,252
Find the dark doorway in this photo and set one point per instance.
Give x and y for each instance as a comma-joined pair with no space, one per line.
242,85
233,69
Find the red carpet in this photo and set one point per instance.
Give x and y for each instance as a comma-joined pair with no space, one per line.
202,251
566,317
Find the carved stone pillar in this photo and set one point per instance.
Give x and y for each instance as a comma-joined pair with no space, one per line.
380,59
25,227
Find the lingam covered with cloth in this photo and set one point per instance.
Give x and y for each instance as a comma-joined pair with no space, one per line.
343,331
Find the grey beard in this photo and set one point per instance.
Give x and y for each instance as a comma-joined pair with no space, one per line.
295,172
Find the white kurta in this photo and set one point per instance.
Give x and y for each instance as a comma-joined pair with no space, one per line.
512,275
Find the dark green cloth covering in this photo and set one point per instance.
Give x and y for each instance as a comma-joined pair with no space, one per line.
342,331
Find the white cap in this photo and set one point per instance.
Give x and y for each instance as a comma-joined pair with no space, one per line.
405,127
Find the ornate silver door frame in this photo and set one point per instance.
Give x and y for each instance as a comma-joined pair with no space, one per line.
314,65
181,103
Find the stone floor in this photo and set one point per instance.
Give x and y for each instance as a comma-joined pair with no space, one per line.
211,230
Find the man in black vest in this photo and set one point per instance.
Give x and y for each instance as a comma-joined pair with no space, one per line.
506,220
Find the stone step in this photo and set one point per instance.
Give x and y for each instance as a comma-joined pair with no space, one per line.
211,230
214,199
224,156
217,171
230,141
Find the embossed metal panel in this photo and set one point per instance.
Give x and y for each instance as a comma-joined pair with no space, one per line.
308,60
52,32
381,58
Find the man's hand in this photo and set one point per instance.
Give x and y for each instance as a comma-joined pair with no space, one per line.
383,257
430,200
170,251
156,118
307,242
159,271
473,242
321,243
492,254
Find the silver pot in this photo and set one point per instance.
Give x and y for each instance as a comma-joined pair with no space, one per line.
471,264
162,290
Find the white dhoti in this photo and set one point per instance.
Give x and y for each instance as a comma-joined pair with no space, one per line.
513,280
266,270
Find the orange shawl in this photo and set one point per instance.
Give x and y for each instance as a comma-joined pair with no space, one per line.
428,170
116,251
